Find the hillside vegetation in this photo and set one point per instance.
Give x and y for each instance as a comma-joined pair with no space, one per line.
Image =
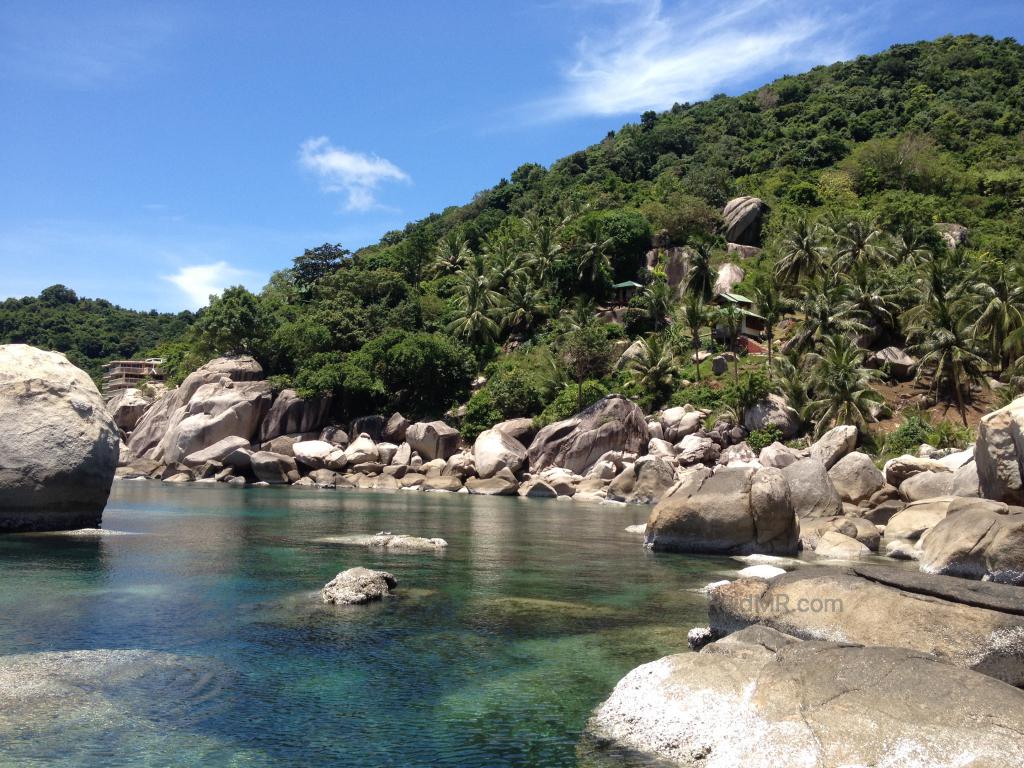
856,164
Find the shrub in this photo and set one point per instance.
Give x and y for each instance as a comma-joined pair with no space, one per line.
481,414
761,438
918,428
564,405
702,396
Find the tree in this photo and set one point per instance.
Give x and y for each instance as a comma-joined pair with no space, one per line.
524,306
477,305
841,386
693,316
587,355
594,266
700,277
451,254
824,311
317,263
802,253
997,310
653,372
773,306
730,319
858,243
233,323
658,301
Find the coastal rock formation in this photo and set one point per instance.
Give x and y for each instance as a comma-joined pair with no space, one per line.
978,626
613,423
999,454
729,276
834,444
127,407
58,446
400,542
855,477
432,439
733,511
773,411
811,489
357,586
980,540
291,414
494,450
762,698
742,218
274,468
219,451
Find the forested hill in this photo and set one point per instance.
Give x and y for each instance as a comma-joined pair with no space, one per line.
856,164
89,331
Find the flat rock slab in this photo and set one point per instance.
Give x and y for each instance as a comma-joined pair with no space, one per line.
842,606
1006,598
761,698
390,541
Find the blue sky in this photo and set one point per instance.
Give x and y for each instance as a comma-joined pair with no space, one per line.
154,152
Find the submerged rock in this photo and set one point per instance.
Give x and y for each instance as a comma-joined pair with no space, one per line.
391,541
357,586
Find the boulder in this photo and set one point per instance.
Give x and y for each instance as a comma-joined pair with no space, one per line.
895,361
838,546
239,459
855,477
397,542
562,480
334,435
729,276
917,517
274,468
537,489
974,625
219,451
778,455
966,481
999,454
313,453
720,363
742,220
680,421
657,447
290,414
403,455
522,430
324,478
357,586
612,423
126,407
740,453
773,411
811,489
495,450
395,428
834,444
634,351
927,485
733,511
362,450
432,439
58,446
857,528
982,540
501,483
386,452
881,514
697,449
761,698
953,234
460,465
653,477
448,483
904,467
373,425
282,444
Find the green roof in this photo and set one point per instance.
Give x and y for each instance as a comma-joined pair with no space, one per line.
627,284
735,297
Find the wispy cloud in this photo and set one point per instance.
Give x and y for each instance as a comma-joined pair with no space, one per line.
82,47
201,281
352,173
653,54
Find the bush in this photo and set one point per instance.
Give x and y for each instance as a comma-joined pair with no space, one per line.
702,396
481,414
564,405
918,428
761,438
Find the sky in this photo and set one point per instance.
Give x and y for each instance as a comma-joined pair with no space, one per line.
155,153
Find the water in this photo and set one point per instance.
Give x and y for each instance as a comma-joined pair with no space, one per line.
492,654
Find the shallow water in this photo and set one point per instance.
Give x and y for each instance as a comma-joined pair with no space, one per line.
492,653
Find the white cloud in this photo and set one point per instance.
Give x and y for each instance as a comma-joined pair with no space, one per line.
353,173
687,51
200,281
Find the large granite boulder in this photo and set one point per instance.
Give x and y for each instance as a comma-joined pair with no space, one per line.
495,450
855,477
652,478
521,429
274,468
984,540
999,454
613,423
127,407
313,453
679,421
395,428
773,411
58,444
219,451
742,219
152,428
357,586
834,444
291,414
975,625
927,485
432,439
902,468
734,511
811,489
729,276
895,361
917,517
761,698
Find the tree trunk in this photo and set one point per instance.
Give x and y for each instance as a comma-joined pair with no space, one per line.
959,396
579,395
770,339
696,354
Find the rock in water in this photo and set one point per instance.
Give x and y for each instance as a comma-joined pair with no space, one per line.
357,586
58,444
762,698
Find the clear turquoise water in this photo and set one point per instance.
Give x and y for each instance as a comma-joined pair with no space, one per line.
491,654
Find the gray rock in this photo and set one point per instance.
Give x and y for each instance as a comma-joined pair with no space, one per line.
398,542
904,467
966,481
863,531
980,540
58,446
357,586
742,220
495,450
697,449
522,430
441,483
536,488
760,698
999,454
778,455
927,485
126,407
811,489
432,439
501,483
395,428
292,414
855,477
313,453
274,468
219,451
837,546
898,363
680,421
834,444
773,411
917,517
654,476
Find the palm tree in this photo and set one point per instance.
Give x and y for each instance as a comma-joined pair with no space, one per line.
802,253
693,316
594,261
858,241
773,306
477,304
653,372
700,274
872,296
451,254
730,319
824,311
658,298
504,259
998,317
542,245
790,379
524,305
841,385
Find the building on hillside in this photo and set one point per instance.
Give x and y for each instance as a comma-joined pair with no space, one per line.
625,291
125,374
753,323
